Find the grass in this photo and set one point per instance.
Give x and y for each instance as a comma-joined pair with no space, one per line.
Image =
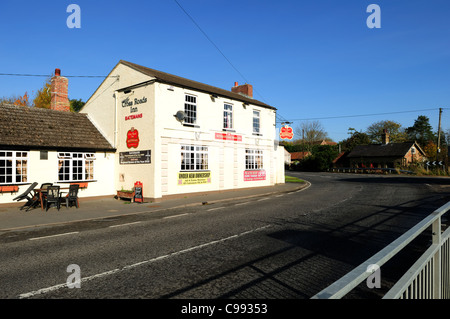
291,179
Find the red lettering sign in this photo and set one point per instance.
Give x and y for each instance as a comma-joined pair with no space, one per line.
132,138
133,116
228,137
254,175
286,133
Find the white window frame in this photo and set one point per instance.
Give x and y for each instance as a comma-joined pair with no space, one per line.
17,171
190,109
194,158
254,159
256,122
75,166
228,116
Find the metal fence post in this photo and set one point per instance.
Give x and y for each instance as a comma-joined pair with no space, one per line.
436,231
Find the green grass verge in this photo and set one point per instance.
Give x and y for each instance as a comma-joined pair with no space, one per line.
291,179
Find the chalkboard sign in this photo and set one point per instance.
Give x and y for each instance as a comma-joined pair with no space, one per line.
138,194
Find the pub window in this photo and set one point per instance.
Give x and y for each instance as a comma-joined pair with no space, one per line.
228,116
256,123
190,109
75,167
13,167
253,159
194,158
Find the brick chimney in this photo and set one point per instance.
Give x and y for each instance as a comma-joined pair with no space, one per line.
245,89
59,91
385,137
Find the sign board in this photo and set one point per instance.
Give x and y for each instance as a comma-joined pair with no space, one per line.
138,193
286,132
132,138
194,178
259,175
228,137
135,157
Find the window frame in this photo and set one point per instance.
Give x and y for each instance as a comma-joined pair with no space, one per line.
257,121
190,109
254,159
194,158
73,164
15,171
228,116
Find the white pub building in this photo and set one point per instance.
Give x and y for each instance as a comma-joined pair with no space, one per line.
172,134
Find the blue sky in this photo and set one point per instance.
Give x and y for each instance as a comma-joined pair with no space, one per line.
309,59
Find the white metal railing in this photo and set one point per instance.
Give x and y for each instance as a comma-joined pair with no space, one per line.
428,278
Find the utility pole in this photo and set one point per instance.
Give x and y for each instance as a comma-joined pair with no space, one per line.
438,148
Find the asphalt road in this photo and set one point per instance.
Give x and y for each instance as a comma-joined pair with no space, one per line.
290,245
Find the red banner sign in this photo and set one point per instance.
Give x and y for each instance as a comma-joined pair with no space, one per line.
254,175
228,137
286,133
132,138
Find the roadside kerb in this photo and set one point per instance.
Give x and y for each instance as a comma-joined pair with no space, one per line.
303,186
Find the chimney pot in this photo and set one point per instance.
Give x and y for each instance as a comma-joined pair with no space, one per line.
244,89
59,92
385,137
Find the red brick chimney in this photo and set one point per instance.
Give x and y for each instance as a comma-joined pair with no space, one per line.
59,91
245,89
385,137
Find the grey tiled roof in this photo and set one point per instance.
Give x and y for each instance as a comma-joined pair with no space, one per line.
177,80
37,128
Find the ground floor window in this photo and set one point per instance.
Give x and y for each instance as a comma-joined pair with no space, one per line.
13,167
194,158
253,159
75,167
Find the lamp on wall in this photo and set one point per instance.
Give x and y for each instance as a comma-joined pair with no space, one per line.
180,116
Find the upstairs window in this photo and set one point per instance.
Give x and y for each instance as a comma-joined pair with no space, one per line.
256,123
227,116
74,167
13,167
190,109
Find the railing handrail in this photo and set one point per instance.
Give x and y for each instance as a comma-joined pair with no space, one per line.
344,285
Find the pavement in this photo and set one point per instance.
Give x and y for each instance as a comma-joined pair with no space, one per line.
12,218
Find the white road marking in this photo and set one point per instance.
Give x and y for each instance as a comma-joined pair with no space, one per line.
179,215
120,225
51,236
241,203
114,271
214,209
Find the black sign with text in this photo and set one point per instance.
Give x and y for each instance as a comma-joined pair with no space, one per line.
135,157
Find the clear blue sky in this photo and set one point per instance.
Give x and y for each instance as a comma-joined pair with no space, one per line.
309,59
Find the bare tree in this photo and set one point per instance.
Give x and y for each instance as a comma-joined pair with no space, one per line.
310,132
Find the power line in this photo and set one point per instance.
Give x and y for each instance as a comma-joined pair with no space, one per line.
67,76
209,39
218,49
362,115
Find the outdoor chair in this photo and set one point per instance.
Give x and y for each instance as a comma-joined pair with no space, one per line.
44,186
72,196
52,197
32,200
